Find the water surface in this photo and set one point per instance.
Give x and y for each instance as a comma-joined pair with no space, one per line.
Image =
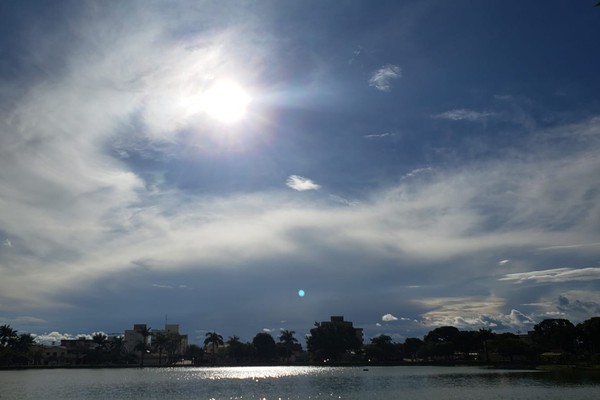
269,383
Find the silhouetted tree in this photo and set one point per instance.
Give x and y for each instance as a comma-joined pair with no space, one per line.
7,335
509,345
100,339
332,340
440,342
233,347
484,336
555,334
412,347
160,342
194,353
289,341
143,346
215,340
442,334
15,349
117,344
588,333
382,348
265,346
173,347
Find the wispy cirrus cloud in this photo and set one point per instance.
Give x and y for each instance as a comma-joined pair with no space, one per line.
382,78
464,114
554,275
380,135
301,183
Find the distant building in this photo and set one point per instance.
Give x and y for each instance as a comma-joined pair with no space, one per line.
133,337
172,330
75,350
52,355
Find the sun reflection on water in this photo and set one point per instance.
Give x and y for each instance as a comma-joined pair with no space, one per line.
249,373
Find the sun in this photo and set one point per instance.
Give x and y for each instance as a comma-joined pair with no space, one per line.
225,101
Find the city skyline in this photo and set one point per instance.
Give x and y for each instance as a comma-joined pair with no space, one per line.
258,165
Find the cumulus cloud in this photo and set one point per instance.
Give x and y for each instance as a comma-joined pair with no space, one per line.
464,114
56,337
383,77
555,275
473,313
7,243
389,318
579,308
301,183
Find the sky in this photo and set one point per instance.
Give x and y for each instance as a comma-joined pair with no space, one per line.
406,164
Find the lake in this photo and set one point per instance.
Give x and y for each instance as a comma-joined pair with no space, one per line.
275,383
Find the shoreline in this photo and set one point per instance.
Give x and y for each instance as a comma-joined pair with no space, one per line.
531,367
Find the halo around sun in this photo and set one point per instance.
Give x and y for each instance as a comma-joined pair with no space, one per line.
225,101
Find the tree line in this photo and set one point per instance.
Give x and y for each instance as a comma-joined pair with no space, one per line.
550,341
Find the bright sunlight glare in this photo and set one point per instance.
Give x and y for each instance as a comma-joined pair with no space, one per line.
225,101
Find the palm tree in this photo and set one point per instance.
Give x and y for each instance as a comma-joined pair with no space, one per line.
100,339
287,338
234,347
215,340
7,335
116,347
143,347
173,346
160,342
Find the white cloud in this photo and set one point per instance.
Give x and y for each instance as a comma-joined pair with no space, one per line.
569,246
417,171
503,262
389,318
579,305
162,286
380,136
464,114
56,337
301,183
383,77
555,275
473,313
7,243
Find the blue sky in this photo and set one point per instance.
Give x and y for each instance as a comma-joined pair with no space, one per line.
408,164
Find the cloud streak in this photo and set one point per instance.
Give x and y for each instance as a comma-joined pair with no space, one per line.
555,275
463,114
382,78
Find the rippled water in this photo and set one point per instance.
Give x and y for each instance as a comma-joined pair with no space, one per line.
270,383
